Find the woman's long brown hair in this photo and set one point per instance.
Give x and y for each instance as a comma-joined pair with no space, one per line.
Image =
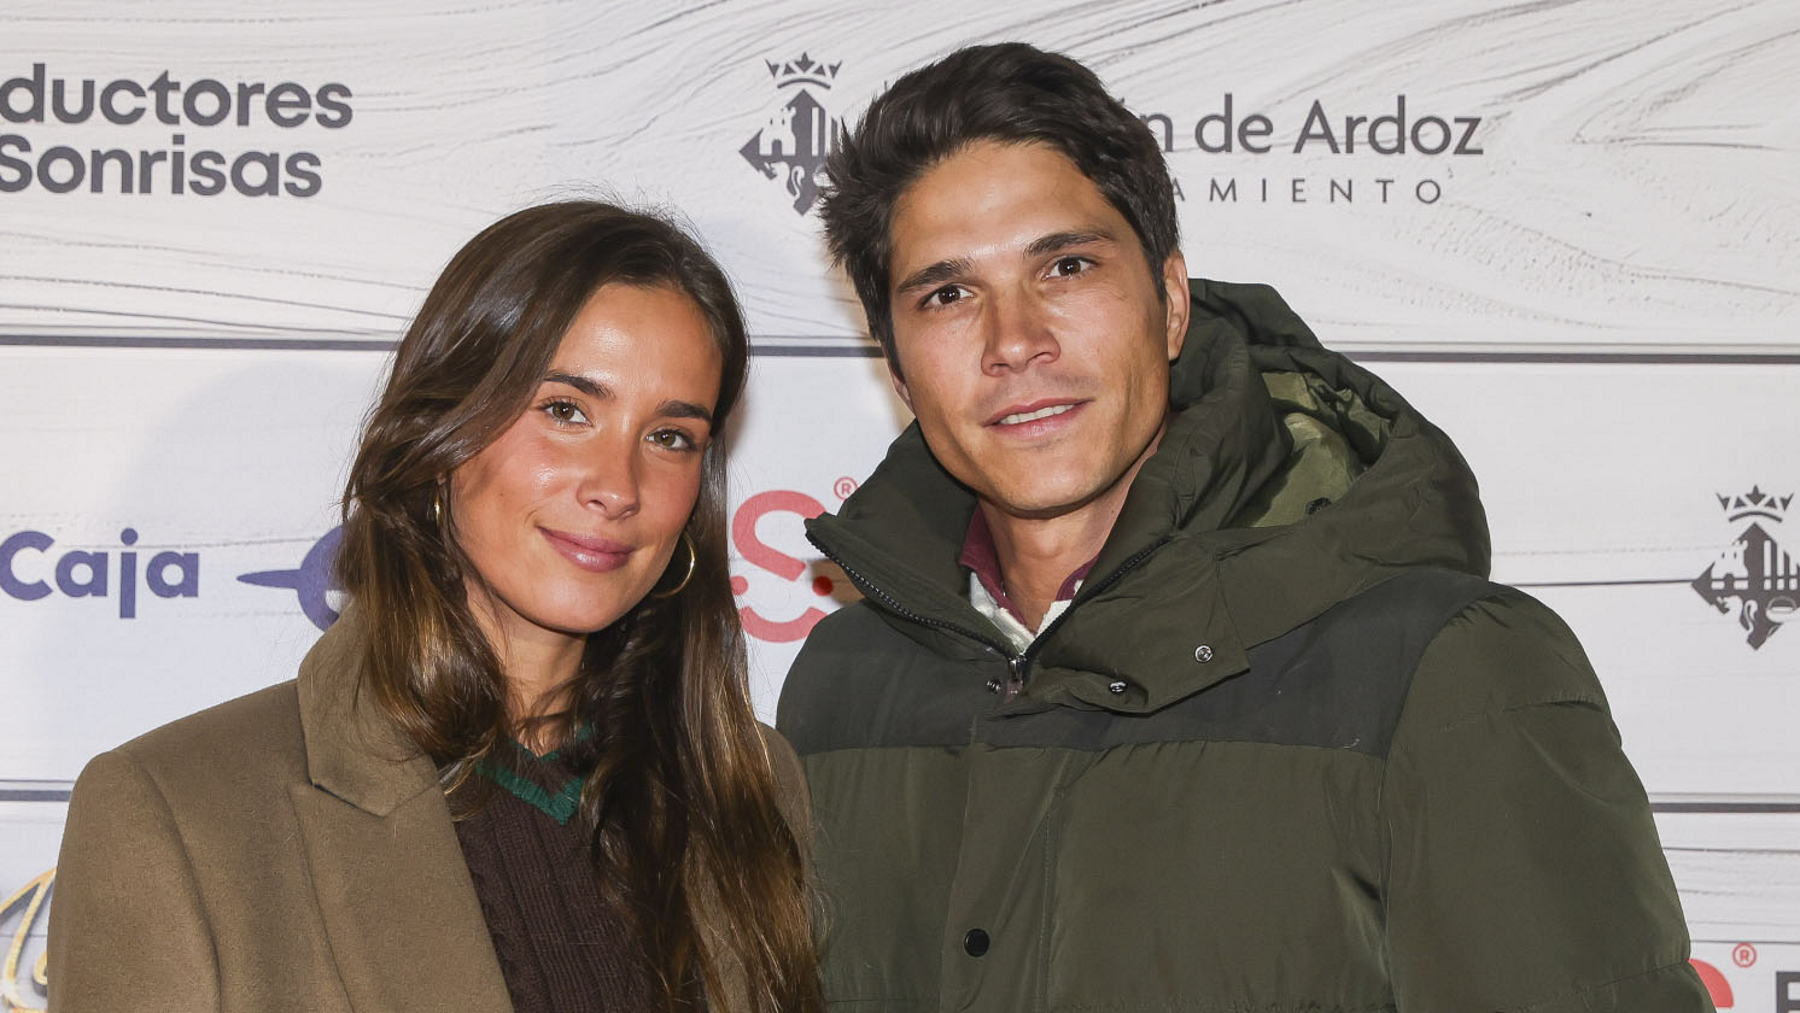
682,800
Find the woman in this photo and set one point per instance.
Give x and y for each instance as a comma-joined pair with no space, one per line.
522,770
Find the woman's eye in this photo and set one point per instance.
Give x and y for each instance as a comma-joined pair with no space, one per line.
566,412
672,439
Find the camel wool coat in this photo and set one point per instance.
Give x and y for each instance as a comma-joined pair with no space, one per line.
287,850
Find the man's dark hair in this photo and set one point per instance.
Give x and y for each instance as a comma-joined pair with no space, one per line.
1011,92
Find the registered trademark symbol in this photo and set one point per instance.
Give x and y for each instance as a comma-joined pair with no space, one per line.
1743,954
843,487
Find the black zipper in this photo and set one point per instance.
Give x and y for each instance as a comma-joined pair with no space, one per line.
868,588
1110,579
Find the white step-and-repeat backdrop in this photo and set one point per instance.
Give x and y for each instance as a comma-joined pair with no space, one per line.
1570,233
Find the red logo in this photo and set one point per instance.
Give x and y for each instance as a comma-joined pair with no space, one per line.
759,553
1716,985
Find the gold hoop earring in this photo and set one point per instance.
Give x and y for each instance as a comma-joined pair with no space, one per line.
437,507
693,563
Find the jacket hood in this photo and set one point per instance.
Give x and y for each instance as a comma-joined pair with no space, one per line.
1289,479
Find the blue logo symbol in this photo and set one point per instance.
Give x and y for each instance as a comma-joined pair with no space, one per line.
311,581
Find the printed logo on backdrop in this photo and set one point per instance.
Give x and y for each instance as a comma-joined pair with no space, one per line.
1743,976
195,118
803,600
1753,578
1397,153
22,980
34,567
793,605
800,132
313,582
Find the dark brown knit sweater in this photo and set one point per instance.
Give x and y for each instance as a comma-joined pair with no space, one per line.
562,946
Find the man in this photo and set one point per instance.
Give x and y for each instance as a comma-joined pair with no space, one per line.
1177,685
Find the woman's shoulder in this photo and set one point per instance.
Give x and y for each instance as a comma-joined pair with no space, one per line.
790,784
236,746
789,775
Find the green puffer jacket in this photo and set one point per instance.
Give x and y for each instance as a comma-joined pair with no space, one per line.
1288,749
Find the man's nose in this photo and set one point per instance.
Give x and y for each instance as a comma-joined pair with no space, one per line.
1019,333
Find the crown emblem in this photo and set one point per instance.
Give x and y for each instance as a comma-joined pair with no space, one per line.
1753,576
796,138
805,70
1755,503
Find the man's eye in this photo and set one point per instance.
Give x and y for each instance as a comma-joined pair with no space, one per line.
945,296
1066,266
567,412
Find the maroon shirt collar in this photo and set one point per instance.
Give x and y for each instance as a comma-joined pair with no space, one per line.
982,556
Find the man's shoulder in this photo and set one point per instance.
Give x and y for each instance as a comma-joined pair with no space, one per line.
1424,648
833,653
845,630
864,678
1501,650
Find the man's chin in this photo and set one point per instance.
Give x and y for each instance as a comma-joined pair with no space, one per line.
1043,501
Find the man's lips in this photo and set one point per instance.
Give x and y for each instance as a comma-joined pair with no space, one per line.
1034,411
597,555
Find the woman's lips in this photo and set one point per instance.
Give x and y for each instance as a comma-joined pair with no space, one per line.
596,555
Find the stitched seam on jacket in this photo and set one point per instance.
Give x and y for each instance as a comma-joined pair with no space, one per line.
1052,839
1381,789
1598,703
1582,993
1191,1006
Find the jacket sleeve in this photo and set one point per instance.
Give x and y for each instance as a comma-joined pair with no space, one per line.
1523,867
127,928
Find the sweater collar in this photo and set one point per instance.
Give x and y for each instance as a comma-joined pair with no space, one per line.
538,781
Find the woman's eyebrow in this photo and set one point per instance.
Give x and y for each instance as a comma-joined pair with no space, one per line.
672,408
685,410
580,383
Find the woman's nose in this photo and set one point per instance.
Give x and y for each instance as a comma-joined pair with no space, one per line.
609,480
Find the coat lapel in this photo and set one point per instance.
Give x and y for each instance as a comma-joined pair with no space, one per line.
393,890
405,927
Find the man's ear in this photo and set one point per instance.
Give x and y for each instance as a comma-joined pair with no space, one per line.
899,383
1175,300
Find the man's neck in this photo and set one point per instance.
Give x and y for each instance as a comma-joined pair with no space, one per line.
1037,554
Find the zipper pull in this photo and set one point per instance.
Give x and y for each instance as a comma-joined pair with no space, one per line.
1018,668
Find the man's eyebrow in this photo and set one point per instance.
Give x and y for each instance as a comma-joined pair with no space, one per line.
1063,240
934,274
956,267
580,383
